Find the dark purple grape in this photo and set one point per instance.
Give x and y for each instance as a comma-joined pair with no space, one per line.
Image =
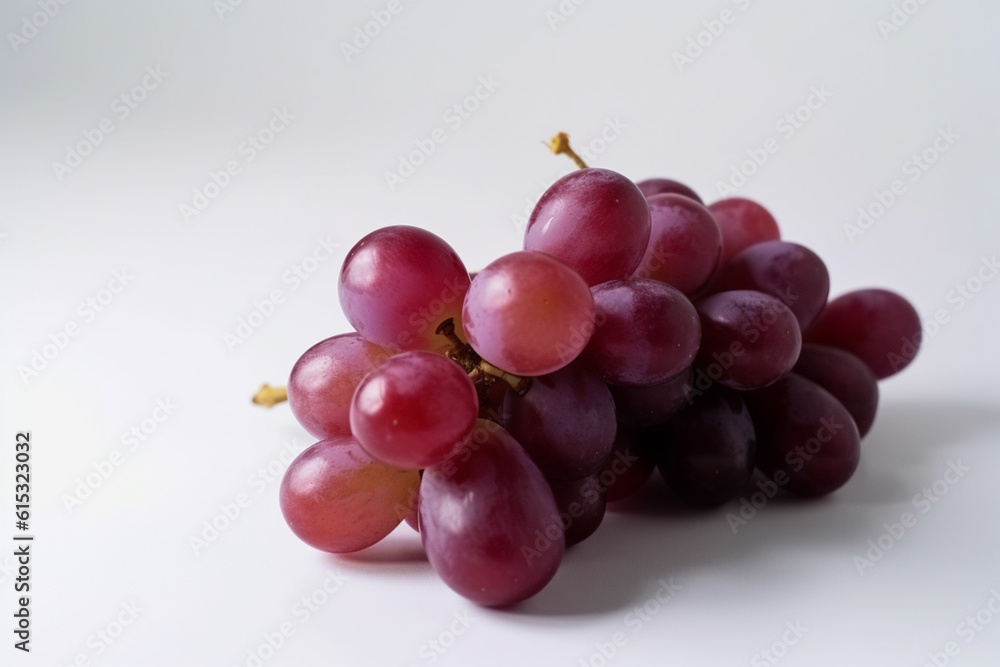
566,422
594,220
581,504
807,441
788,271
646,332
659,186
707,451
684,243
629,466
878,326
647,406
749,339
486,520
846,377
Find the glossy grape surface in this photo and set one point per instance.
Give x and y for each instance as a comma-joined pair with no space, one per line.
336,498
528,313
415,410
486,520
646,332
398,283
594,220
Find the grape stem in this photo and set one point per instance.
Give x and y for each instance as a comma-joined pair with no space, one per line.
269,396
483,373
559,145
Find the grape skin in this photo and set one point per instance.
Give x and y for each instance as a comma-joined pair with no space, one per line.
489,521
743,222
415,410
846,377
528,313
685,244
323,380
336,498
594,220
399,283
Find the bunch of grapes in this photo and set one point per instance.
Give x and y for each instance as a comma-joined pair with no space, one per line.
638,329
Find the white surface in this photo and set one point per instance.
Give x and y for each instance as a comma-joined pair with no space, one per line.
162,337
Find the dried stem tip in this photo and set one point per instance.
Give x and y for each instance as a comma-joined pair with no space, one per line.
559,144
483,373
269,396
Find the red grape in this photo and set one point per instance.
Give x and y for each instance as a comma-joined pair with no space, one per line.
324,378
684,243
336,498
743,222
528,313
659,186
846,377
594,220
415,410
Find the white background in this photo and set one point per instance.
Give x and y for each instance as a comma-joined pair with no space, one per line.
163,337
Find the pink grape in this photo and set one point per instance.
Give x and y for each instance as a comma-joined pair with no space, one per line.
566,422
528,313
878,326
594,220
415,410
659,186
684,243
743,222
749,339
324,378
647,332
486,520
336,498
399,283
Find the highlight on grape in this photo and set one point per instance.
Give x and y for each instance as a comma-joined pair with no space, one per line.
637,329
